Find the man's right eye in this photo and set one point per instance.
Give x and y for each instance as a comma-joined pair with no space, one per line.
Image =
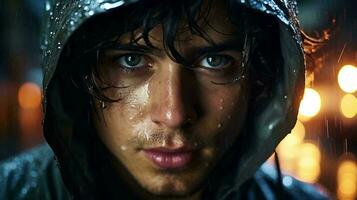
132,61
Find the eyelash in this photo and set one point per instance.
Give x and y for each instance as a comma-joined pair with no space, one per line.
122,56
229,61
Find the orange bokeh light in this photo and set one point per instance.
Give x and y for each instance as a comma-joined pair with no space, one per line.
29,96
347,180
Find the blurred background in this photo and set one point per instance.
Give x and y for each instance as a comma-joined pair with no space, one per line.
322,147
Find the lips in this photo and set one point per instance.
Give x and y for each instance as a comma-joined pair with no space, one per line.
166,158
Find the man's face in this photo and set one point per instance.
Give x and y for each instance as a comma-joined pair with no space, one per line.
173,124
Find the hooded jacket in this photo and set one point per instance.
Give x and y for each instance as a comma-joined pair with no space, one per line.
61,170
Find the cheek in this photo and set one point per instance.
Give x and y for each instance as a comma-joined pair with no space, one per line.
118,122
225,112
227,103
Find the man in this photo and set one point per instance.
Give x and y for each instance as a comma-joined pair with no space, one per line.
161,99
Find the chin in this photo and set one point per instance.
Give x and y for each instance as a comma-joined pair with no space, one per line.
170,186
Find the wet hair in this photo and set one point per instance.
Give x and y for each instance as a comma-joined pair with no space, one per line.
104,30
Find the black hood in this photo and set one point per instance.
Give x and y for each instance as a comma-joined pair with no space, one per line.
267,128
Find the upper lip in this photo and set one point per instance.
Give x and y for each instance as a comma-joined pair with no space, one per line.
168,149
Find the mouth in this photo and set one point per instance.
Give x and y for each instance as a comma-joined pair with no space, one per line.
169,158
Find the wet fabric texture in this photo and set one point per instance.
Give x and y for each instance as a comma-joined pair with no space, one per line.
32,175
35,174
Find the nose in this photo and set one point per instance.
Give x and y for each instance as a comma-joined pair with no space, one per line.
172,102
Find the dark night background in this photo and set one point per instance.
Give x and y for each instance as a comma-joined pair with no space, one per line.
334,135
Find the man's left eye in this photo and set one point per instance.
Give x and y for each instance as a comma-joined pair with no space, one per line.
215,61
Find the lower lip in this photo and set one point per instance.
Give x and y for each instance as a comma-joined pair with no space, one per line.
169,160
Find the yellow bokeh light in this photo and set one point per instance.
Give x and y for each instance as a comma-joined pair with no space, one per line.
308,163
289,146
292,140
309,150
347,78
298,131
349,106
347,180
310,104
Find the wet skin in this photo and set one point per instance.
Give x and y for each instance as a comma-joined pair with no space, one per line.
173,124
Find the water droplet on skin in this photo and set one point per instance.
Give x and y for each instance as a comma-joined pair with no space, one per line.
285,97
219,125
221,107
221,100
123,147
163,144
169,115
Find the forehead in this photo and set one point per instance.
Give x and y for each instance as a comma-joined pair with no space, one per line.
213,20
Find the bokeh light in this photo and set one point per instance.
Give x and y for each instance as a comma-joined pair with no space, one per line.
310,104
289,146
349,106
29,96
308,163
298,132
295,137
347,180
347,78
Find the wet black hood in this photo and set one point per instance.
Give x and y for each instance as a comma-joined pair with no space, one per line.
274,119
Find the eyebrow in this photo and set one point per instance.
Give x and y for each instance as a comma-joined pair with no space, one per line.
198,51
134,47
